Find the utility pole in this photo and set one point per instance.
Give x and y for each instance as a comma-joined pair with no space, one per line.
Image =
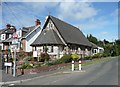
14,67
15,42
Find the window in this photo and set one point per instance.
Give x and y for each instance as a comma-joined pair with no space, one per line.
10,35
50,25
2,36
50,49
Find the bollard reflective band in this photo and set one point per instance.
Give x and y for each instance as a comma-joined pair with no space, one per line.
73,62
80,62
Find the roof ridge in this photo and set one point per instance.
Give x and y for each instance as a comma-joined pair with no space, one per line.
64,22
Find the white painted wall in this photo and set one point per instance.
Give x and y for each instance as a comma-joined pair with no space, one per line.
19,33
98,50
31,38
3,36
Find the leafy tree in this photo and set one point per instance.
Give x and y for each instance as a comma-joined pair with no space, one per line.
117,43
92,39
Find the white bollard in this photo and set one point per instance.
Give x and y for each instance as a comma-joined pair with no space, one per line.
80,65
72,65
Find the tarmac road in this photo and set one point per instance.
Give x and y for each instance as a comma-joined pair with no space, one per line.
105,73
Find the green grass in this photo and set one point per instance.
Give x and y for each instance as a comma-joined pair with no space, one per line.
95,61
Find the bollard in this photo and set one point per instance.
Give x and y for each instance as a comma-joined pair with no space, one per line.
72,65
80,65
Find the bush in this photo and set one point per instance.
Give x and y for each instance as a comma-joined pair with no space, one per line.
44,56
26,66
99,55
75,57
66,58
88,57
54,62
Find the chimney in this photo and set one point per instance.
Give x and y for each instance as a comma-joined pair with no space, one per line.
8,26
37,22
13,28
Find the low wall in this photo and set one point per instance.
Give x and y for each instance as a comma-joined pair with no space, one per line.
42,69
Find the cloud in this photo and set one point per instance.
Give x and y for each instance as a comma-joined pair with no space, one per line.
76,11
104,33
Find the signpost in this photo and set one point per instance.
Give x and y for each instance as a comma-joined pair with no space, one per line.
14,42
8,65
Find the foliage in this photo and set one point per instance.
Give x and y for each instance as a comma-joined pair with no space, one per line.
98,55
26,66
92,39
88,58
55,62
75,57
117,47
28,58
44,56
66,58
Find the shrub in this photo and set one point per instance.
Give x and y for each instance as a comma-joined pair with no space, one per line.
26,66
66,58
55,62
98,55
75,57
44,56
88,57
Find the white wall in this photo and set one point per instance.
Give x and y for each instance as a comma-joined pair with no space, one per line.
19,33
3,36
31,38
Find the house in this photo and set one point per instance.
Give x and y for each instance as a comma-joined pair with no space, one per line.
25,37
5,35
96,49
28,34
61,38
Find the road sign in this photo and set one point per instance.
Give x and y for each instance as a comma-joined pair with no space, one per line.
15,41
14,35
7,64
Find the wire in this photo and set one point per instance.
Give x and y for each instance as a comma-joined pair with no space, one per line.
12,12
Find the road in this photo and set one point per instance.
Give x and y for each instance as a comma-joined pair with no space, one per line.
105,73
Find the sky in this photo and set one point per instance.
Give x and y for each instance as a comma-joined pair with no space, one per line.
97,18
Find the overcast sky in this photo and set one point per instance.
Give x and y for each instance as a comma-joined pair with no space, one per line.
97,18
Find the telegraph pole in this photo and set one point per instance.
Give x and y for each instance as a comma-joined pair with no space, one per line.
15,36
14,62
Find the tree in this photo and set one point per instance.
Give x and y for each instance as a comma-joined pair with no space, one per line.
105,41
117,43
92,39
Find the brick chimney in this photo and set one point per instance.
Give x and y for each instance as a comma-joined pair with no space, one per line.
8,26
37,22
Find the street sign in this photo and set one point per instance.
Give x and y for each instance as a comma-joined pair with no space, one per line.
7,64
14,35
15,41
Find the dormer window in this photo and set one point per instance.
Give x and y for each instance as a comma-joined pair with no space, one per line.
51,26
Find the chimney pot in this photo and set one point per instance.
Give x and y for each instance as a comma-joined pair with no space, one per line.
8,26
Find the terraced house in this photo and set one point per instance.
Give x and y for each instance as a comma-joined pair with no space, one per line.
61,38
26,36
